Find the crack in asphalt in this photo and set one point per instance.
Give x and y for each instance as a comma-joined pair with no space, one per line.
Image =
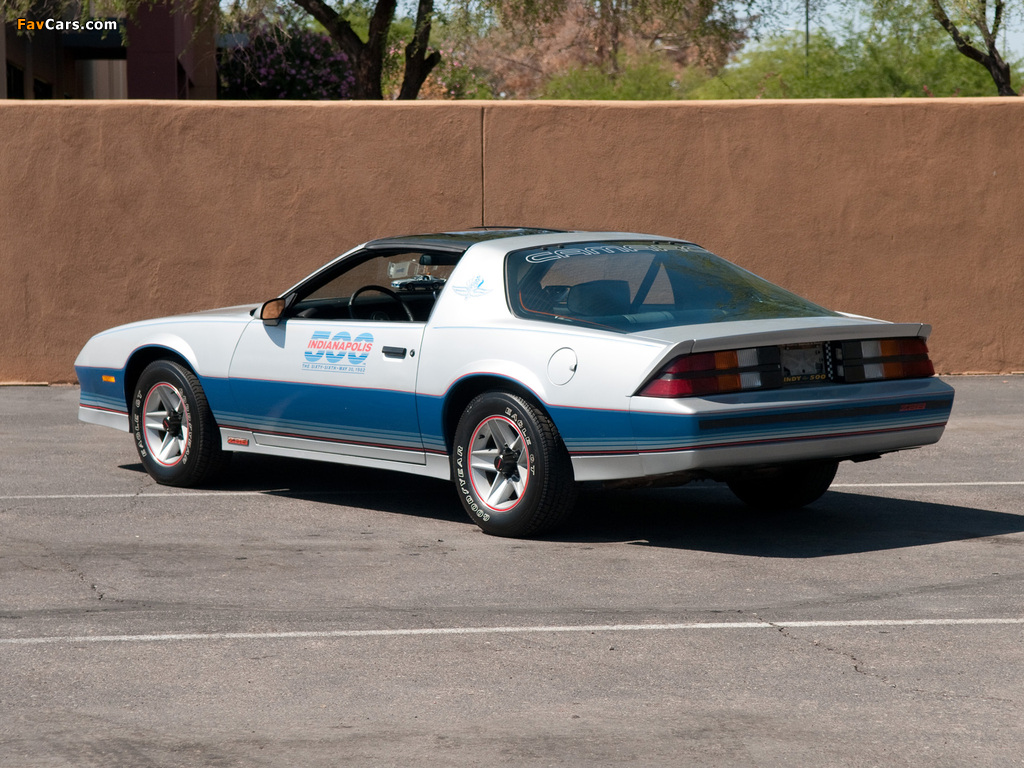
74,571
857,666
846,655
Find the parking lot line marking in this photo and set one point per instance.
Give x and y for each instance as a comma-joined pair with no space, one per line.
924,485
435,631
193,494
300,493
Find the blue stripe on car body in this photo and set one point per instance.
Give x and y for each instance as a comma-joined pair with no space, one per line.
282,408
97,393
355,415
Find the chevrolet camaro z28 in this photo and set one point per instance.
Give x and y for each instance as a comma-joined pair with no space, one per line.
518,363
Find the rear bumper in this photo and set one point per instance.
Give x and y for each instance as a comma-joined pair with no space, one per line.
745,430
837,447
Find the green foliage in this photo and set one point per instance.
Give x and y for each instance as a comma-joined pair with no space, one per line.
456,29
641,78
901,52
455,77
399,35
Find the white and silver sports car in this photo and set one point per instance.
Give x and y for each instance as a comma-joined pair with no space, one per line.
518,363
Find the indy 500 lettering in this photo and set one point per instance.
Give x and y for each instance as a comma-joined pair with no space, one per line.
339,353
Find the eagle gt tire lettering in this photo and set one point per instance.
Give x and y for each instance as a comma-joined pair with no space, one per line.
175,433
510,466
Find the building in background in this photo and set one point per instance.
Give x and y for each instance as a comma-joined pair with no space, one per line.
166,57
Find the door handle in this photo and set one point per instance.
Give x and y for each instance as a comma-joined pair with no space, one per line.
398,352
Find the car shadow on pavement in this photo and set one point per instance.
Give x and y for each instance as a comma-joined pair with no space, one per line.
707,517
700,517
337,484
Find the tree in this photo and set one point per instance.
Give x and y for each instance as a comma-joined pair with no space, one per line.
973,26
592,47
977,13
899,52
367,57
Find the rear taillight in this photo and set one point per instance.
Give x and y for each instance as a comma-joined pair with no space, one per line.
741,370
710,373
882,359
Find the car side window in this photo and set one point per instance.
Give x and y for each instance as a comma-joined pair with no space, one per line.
389,287
344,284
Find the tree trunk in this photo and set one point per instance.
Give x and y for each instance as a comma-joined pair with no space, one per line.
367,69
366,59
418,64
1000,72
990,57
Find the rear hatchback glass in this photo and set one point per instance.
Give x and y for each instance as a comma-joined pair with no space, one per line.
635,285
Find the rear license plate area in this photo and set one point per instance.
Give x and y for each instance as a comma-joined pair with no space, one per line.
803,363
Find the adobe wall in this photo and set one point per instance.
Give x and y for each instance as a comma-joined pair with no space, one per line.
904,210
119,211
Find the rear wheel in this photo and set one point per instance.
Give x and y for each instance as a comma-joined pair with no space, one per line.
511,467
175,434
785,487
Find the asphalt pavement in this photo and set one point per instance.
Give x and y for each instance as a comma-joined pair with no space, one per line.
307,614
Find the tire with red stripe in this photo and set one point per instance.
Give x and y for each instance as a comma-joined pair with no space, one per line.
175,432
510,466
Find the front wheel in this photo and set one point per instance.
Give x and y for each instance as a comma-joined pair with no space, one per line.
175,433
789,486
511,467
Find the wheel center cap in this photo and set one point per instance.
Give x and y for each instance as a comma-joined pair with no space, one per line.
507,462
172,426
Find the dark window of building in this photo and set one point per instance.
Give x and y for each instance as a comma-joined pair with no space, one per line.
182,82
42,90
15,82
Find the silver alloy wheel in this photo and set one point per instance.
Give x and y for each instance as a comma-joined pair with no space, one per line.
165,424
499,467
512,470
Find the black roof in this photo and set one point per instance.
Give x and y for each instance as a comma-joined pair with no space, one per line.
456,242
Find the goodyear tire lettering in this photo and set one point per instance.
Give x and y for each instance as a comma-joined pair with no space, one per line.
537,490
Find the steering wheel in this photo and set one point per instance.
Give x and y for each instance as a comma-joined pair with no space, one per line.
380,289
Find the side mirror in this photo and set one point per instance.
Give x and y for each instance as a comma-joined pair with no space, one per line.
272,311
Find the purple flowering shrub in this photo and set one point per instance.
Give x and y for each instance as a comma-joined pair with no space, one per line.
285,63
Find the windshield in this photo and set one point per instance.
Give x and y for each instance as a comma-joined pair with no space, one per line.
630,286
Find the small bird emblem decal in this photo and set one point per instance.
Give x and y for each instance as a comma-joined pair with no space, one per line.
472,289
